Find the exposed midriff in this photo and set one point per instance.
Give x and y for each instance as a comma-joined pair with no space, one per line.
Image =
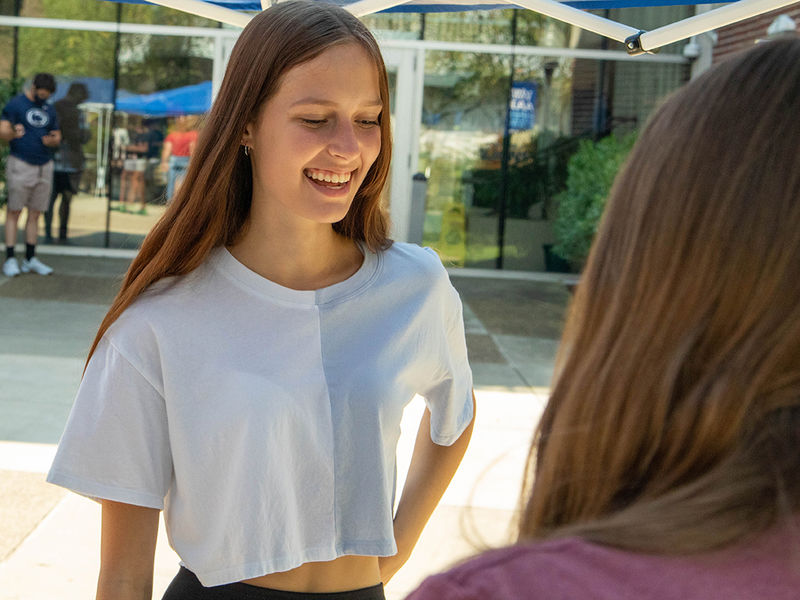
342,574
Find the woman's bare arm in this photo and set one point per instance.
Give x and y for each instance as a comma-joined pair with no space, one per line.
166,152
432,467
127,552
8,131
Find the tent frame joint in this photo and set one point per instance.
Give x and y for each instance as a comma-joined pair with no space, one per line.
633,45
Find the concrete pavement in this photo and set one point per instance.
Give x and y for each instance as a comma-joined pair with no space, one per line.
49,538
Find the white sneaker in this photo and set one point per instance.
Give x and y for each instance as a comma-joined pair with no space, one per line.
11,267
36,266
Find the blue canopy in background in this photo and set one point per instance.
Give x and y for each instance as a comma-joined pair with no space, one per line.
187,100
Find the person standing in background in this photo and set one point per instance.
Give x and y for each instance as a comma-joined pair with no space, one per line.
178,147
154,140
131,188
31,127
68,160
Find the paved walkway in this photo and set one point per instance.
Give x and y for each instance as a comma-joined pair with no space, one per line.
49,538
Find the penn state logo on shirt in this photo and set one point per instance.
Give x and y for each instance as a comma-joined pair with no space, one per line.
36,117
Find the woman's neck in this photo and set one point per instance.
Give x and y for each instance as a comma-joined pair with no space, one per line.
303,259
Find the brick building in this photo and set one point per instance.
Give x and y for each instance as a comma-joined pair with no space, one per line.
744,34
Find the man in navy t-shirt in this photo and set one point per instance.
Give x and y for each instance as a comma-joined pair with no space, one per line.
30,124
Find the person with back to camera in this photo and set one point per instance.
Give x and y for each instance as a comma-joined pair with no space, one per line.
251,375
132,180
666,462
177,149
31,127
68,160
153,141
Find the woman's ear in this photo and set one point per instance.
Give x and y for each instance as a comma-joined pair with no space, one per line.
247,136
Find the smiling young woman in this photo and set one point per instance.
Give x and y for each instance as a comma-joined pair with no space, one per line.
311,147
250,377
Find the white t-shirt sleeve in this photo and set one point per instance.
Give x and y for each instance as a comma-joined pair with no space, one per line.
449,393
116,444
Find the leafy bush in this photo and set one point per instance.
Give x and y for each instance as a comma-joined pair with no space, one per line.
535,176
8,89
590,173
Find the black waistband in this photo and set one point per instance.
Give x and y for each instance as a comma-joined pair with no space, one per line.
187,586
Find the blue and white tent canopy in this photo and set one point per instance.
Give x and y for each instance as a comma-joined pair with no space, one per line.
186,100
239,13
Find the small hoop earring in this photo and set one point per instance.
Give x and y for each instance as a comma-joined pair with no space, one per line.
247,150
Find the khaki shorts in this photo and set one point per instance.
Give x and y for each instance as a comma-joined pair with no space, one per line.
135,164
28,185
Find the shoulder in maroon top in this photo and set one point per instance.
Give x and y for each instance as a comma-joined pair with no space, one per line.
573,569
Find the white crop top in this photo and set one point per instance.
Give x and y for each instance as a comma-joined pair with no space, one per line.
264,420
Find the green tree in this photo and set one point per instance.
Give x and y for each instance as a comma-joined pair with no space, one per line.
91,54
149,63
63,51
590,174
160,15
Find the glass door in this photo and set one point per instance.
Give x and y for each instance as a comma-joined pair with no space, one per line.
405,100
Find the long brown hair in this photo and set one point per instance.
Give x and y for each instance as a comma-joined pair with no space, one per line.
212,206
674,421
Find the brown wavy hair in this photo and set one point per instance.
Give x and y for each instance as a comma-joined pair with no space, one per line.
674,420
212,206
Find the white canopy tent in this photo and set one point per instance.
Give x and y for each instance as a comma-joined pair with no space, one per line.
239,13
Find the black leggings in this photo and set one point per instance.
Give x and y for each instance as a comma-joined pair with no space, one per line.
186,586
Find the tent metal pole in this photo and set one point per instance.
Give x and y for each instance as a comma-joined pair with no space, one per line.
15,62
110,155
505,157
367,7
581,18
713,19
207,10
600,116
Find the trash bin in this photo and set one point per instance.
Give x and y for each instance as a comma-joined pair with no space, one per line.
416,220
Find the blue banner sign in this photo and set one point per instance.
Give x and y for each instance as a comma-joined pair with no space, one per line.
523,106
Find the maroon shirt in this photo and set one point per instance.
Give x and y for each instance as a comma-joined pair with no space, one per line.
572,569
